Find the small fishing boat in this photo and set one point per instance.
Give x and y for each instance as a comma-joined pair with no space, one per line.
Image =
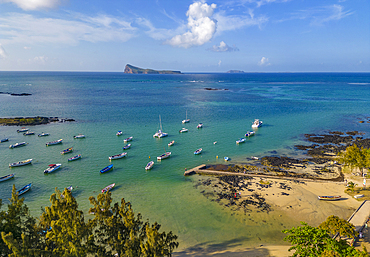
28,133
127,139
79,136
68,150
215,142
257,123
107,188
254,158
183,130
4,178
18,144
186,119
164,156
249,134
4,140
23,129
24,189
358,196
329,197
74,158
226,158
117,156
160,133
171,143
52,168
126,146
54,142
43,134
149,165
200,125
119,133
106,169
240,140
21,163
198,151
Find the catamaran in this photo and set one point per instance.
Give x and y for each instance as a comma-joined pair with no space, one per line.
257,123
160,133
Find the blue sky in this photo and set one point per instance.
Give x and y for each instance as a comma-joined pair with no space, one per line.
190,36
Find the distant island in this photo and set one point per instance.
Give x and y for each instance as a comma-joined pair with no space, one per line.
235,71
129,69
26,121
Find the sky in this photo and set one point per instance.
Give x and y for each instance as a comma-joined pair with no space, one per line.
189,36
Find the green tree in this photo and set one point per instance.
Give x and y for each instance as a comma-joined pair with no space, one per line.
355,157
351,185
334,225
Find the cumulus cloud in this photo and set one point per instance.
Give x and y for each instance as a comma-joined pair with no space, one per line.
201,26
264,62
223,47
30,5
3,54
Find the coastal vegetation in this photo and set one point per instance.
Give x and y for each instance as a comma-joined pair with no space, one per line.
355,157
62,230
30,121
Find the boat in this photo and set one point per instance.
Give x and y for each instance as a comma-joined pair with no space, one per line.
106,169
215,142
117,156
198,151
126,146
240,140
200,125
54,142
4,178
4,140
160,133
24,189
70,188
68,150
249,134
164,156
257,123
329,197
171,143
28,133
79,136
22,130
358,196
107,188
21,163
43,134
119,133
183,130
18,144
74,158
226,158
254,158
186,119
52,168
127,139
149,165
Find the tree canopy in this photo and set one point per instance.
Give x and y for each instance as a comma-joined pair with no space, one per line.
355,157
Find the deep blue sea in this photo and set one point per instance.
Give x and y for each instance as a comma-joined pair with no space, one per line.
289,104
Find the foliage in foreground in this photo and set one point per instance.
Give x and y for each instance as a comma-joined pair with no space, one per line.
63,231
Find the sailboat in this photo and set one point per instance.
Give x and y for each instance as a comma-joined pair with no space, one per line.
186,119
160,133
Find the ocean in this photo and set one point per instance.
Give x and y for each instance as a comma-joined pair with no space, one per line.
289,104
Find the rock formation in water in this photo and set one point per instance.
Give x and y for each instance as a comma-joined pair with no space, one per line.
135,70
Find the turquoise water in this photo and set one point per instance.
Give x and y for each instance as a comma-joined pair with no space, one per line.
289,104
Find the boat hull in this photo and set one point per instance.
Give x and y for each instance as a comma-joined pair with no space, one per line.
21,163
108,188
117,156
329,197
52,168
164,156
74,158
107,169
149,165
7,177
24,189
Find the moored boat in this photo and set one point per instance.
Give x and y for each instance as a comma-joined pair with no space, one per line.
79,136
117,156
22,130
24,189
186,119
127,139
52,168
106,169
107,188
257,123
28,133
21,163
249,134
18,144
160,133
183,130
54,142
171,143
200,125
119,133
240,140
68,150
4,178
149,165
43,134
74,158
198,151
4,140
329,197
126,146
226,158
164,156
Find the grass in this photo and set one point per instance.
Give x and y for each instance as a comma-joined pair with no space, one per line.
359,191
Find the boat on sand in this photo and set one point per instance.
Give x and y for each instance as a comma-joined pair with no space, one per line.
329,197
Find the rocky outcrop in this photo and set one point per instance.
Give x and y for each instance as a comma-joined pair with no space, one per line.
129,69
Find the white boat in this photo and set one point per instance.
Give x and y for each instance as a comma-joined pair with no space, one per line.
74,158
4,140
28,133
171,143
107,188
149,165
183,130
215,142
200,125
126,146
21,163
54,142
164,156
127,139
117,156
4,178
119,133
79,136
257,123
240,140
52,167
226,158
198,151
358,196
22,130
186,119
249,134
160,133
43,134
18,144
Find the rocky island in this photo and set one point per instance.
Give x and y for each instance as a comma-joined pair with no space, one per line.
26,121
129,69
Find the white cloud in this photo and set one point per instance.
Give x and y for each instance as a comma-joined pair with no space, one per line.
26,47
158,34
202,26
40,59
234,22
3,54
223,47
264,62
219,63
29,5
